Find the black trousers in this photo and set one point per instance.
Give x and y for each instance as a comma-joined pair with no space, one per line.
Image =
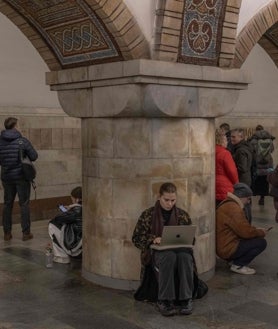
247,250
23,189
175,274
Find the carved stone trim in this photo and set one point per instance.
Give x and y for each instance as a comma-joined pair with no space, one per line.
138,89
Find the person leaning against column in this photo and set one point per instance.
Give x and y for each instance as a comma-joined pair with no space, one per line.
237,241
12,177
174,267
226,175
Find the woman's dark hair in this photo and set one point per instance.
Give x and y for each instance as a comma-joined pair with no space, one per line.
167,188
10,123
259,127
77,193
225,126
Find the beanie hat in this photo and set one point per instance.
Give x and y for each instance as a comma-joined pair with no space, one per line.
242,190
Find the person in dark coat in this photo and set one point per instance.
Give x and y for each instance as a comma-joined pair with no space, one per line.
12,177
272,178
262,145
65,230
170,263
243,157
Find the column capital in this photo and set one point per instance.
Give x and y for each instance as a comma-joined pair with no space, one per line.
148,88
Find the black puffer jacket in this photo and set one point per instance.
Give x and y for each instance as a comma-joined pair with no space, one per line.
9,154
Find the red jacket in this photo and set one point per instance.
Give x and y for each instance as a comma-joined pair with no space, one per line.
225,172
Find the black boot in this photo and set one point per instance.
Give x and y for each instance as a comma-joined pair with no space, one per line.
261,201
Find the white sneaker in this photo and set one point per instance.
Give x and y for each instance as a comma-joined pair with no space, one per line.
242,269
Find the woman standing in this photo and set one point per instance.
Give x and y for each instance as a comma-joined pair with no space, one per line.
226,175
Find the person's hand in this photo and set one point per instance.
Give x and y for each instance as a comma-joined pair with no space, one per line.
266,230
157,240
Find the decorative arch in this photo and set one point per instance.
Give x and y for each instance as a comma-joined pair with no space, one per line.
78,32
173,19
262,29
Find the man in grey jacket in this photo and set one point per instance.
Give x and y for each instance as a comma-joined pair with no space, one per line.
12,177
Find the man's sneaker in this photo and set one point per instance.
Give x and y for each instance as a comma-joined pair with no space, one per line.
8,236
166,308
186,307
242,269
27,236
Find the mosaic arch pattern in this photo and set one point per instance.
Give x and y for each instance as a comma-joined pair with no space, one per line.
202,31
70,28
262,29
196,31
70,33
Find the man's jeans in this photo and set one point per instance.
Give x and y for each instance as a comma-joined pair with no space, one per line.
247,250
23,189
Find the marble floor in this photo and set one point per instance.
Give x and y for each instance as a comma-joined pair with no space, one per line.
34,297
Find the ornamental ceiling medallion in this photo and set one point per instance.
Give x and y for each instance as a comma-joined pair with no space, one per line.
71,29
201,31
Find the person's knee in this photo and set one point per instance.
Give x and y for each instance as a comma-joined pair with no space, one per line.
185,257
169,257
263,244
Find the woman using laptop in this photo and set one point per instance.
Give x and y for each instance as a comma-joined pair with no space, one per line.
174,268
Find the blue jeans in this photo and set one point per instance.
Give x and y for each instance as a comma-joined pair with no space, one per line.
247,250
23,189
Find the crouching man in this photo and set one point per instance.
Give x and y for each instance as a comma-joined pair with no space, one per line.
236,240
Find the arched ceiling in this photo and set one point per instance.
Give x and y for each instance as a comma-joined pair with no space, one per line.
269,41
261,29
70,33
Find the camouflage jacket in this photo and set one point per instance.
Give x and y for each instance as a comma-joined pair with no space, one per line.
142,237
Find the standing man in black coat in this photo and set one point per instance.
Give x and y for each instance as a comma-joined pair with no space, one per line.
12,177
243,157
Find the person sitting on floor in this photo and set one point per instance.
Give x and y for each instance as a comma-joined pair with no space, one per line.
65,230
237,241
167,264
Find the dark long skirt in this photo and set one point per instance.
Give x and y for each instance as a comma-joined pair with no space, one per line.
261,186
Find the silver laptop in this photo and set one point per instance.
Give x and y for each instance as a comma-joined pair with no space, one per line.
179,236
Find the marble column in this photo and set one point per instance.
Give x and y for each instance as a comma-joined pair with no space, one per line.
144,122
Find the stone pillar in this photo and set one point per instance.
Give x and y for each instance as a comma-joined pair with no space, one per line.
143,123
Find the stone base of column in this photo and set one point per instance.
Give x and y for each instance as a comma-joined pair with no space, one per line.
109,282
